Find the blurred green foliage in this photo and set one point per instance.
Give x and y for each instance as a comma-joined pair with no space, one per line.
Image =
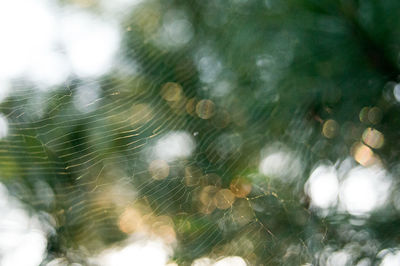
275,72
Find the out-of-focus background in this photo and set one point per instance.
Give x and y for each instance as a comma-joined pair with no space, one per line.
235,132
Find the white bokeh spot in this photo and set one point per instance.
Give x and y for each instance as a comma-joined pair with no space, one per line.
145,252
174,145
90,43
364,189
323,186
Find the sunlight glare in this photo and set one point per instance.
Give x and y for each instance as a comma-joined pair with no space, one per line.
145,252
24,242
174,145
280,162
90,43
231,261
323,186
27,28
364,190
390,258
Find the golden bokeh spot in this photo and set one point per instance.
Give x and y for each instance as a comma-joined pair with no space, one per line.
363,154
171,92
373,138
130,221
162,220
167,233
140,114
364,115
163,227
224,199
330,129
207,209
159,169
205,109
148,219
241,187
206,198
375,115
191,106
207,195
115,195
193,175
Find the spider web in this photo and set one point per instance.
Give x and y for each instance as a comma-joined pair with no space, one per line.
167,144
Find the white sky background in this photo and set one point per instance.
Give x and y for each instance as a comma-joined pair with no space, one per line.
46,44
145,252
23,239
